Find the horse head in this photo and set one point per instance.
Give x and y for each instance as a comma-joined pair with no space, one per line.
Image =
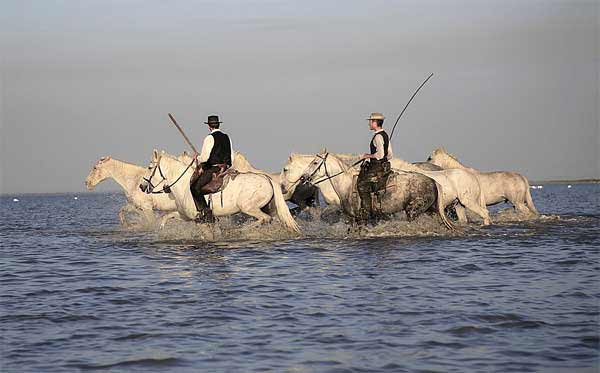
153,176
98,173
292,172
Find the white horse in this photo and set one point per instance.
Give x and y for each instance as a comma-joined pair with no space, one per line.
453,186
497,186
248,192
351,160
410,192
129,176
459,186
241,164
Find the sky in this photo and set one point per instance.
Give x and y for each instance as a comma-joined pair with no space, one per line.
515,83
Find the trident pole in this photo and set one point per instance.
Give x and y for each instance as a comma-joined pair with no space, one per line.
183,133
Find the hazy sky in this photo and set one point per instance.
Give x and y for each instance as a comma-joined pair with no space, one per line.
515,84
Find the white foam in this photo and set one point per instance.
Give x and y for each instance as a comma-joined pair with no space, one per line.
15,200
75,198
569,186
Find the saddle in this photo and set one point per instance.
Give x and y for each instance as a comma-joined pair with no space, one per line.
219,179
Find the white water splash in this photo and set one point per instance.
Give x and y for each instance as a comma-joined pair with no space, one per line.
313,225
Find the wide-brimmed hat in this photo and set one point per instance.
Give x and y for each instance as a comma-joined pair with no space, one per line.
213,119
376,116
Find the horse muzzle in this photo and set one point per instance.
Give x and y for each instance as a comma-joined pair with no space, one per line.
144,188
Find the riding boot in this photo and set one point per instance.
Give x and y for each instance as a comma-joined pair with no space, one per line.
205,216
365,207
363,217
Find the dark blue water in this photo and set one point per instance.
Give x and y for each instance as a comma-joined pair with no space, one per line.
80,293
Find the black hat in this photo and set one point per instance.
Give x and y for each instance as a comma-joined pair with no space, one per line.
213,119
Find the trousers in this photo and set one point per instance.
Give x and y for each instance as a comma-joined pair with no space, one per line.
372,178
196,187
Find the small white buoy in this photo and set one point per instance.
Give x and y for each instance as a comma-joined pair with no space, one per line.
15,200
74,197
569,186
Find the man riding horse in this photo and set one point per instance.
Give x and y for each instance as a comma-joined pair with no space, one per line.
375,170
215,157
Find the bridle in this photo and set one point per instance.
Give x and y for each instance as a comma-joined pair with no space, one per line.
166,188
324,165
308,179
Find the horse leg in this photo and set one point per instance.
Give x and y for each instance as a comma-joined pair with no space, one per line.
477,209
260,216
147,215
167,217
520,207
461,214
122,213
413,209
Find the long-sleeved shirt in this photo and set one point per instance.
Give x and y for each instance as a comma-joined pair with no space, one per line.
379,146
207,146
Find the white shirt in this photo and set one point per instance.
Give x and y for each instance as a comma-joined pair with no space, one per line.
379,153
207,146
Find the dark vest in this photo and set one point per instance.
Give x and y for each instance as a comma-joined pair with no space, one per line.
221,151
386,143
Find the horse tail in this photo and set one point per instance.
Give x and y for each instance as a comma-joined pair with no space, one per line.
440,193
440,206
528,198
283,212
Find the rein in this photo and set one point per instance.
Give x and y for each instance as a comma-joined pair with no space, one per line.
327,175
339,173
166,188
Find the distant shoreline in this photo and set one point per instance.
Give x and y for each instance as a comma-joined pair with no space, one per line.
565,181
532,182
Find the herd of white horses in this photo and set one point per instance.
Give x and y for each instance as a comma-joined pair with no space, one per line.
164,186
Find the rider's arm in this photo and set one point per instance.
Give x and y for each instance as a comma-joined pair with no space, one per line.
232,153
207,146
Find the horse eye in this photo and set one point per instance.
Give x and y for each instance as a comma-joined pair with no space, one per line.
285,170
315,162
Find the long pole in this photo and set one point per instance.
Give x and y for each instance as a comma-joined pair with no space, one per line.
408,103
183,133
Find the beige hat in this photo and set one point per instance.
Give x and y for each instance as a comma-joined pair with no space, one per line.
376,116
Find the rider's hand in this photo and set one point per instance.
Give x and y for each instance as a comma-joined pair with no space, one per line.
365,156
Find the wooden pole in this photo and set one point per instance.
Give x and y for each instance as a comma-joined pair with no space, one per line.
183,133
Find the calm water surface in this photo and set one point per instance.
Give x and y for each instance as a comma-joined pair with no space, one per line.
80,293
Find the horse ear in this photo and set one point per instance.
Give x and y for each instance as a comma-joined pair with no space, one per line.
154,154
185,153
323,151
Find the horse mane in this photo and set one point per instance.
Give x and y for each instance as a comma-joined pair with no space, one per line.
347,158
241,163
172,157
452,158
110,158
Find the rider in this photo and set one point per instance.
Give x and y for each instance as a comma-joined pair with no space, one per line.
216,155
374,170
